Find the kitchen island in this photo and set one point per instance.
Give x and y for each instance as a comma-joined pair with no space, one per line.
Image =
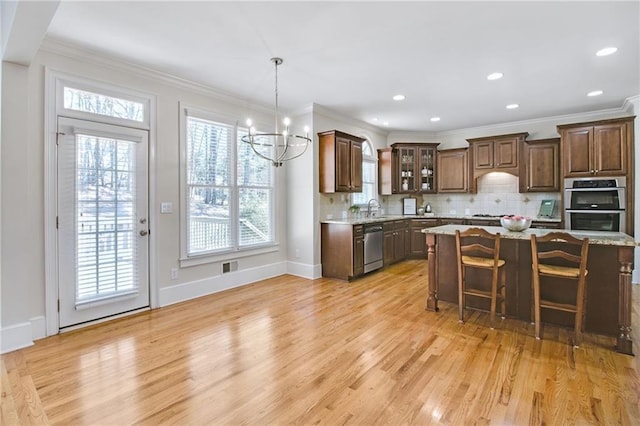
610,265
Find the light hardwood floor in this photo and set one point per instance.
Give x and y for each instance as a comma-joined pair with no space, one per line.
293,351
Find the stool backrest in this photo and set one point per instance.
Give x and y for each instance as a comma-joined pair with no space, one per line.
539,253
489,248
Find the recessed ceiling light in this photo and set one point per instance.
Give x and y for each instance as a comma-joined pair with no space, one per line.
512,106
495,76
374,119
386,123
595,93
398,98
606,51
434,119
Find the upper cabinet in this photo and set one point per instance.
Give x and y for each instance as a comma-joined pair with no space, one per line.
340,162
540,166
496,153
453,170
415,169
599,148
407,168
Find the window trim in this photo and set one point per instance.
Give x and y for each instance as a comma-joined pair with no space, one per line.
373,159
236,251
103,89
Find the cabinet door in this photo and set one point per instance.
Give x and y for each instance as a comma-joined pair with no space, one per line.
483,155
343,164
407,169
453,171
418,243
398,245
609,143
577,151
505,153
541,168
358,256
356,166
426,169
385,171
388,248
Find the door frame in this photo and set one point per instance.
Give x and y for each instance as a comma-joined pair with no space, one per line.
52,79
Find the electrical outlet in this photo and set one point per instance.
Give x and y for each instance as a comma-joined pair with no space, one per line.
174,273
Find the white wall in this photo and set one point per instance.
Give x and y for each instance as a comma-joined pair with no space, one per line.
23,274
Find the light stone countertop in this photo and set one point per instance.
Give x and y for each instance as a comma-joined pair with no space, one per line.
385,218
595,237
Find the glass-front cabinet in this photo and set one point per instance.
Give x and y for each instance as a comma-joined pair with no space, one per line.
415,167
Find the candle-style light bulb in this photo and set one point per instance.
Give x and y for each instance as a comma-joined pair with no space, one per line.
249,122
306,131
286,121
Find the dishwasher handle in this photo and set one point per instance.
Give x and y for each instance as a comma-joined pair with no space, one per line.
373,228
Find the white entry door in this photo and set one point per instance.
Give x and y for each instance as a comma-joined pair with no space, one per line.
102,198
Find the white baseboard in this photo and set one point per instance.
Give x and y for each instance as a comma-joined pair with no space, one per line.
304,270
22,335
191,290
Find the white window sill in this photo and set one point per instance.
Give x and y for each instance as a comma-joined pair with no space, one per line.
227,255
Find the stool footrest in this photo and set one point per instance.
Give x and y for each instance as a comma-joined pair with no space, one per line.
558,306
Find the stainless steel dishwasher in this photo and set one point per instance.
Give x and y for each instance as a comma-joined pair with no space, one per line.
373,254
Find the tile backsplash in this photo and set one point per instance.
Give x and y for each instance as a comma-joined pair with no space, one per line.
497,194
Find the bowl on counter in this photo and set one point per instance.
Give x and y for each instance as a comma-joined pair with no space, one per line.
515,223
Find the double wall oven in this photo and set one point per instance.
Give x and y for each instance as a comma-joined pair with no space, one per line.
595,204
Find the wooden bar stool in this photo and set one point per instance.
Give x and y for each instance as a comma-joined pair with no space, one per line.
477,248
564,266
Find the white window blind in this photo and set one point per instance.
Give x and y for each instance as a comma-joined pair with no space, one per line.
229,191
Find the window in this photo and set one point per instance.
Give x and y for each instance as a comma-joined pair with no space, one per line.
369,182
95,103
228,192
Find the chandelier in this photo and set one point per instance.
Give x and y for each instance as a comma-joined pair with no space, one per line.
278,146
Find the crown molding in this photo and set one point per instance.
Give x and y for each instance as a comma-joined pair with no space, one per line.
632,104
105,60
559,119
329,113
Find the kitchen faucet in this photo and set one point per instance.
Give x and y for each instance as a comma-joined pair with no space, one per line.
369,206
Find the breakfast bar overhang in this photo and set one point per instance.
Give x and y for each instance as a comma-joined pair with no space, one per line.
610,265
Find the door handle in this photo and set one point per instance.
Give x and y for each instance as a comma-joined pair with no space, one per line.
144,232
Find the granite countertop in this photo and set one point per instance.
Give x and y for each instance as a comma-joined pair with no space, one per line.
385,218
595,237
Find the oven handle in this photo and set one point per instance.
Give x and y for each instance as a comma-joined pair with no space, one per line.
620,211
611,188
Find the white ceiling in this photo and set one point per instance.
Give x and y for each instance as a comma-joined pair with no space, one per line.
352,57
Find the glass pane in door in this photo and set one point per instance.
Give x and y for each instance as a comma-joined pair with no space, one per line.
105,220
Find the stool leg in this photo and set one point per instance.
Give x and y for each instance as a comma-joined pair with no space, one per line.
461,293
536,304
503,306
494,296
579,315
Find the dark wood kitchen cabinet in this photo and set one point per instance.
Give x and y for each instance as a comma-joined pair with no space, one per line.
407,168
418,246
340,162
599,148
453,170
540,166
496,154
415,165
395,241
342,250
